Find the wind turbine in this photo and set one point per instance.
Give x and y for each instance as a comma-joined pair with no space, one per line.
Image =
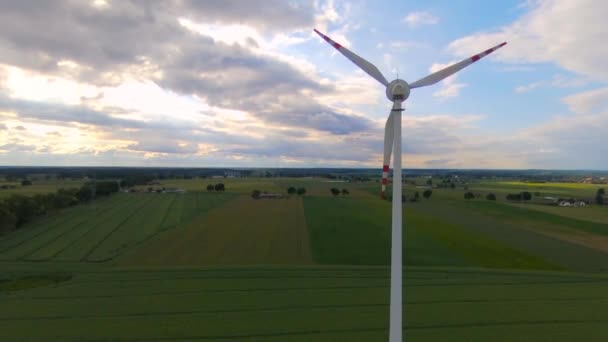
398,91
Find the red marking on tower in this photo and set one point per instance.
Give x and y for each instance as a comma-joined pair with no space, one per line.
385,168
336,45
475,58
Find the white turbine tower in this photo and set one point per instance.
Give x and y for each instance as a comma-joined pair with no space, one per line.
398,91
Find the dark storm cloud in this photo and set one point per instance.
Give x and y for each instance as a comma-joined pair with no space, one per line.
16,147
38,34
439,163
59,113
294,148
118,38
267,14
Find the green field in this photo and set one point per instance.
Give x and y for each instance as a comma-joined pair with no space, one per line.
223,266
38,187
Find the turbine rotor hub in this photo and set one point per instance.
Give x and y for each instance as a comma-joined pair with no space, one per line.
398,90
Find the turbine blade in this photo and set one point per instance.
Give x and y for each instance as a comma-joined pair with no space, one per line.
389,133
366,66
452,69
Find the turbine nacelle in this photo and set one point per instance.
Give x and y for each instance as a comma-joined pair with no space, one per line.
398,90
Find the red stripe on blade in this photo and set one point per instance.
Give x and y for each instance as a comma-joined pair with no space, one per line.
385,168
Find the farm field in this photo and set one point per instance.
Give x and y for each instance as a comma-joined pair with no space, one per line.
105,229
308,303
38,187
224,266
242,232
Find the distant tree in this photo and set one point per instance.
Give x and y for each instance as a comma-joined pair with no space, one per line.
514,197
599,199
65,198
416,196
219,187
427,193
452,185
601,191
85,193
335,191
526,196
291,190
105,188
26,182
8,221
301,191
23,207
255,194
210,187
491,197
469,195
345,192
429,181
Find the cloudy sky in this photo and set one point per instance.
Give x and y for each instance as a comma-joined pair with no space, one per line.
248,83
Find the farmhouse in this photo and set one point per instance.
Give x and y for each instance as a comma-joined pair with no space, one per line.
571,203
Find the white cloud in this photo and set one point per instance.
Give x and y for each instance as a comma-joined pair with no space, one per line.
588,101
407,45
558,81
449,89
416,19
569,33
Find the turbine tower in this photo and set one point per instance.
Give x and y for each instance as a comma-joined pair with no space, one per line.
398,91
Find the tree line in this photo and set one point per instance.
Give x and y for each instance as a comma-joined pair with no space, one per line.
413,198
336,192
16,210
216,187
256,194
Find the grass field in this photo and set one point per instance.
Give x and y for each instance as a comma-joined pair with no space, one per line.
243,231
223,266
309,304
38,187
105,229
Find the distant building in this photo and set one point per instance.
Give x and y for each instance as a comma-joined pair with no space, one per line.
271,195
174,191
571,203
233,174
